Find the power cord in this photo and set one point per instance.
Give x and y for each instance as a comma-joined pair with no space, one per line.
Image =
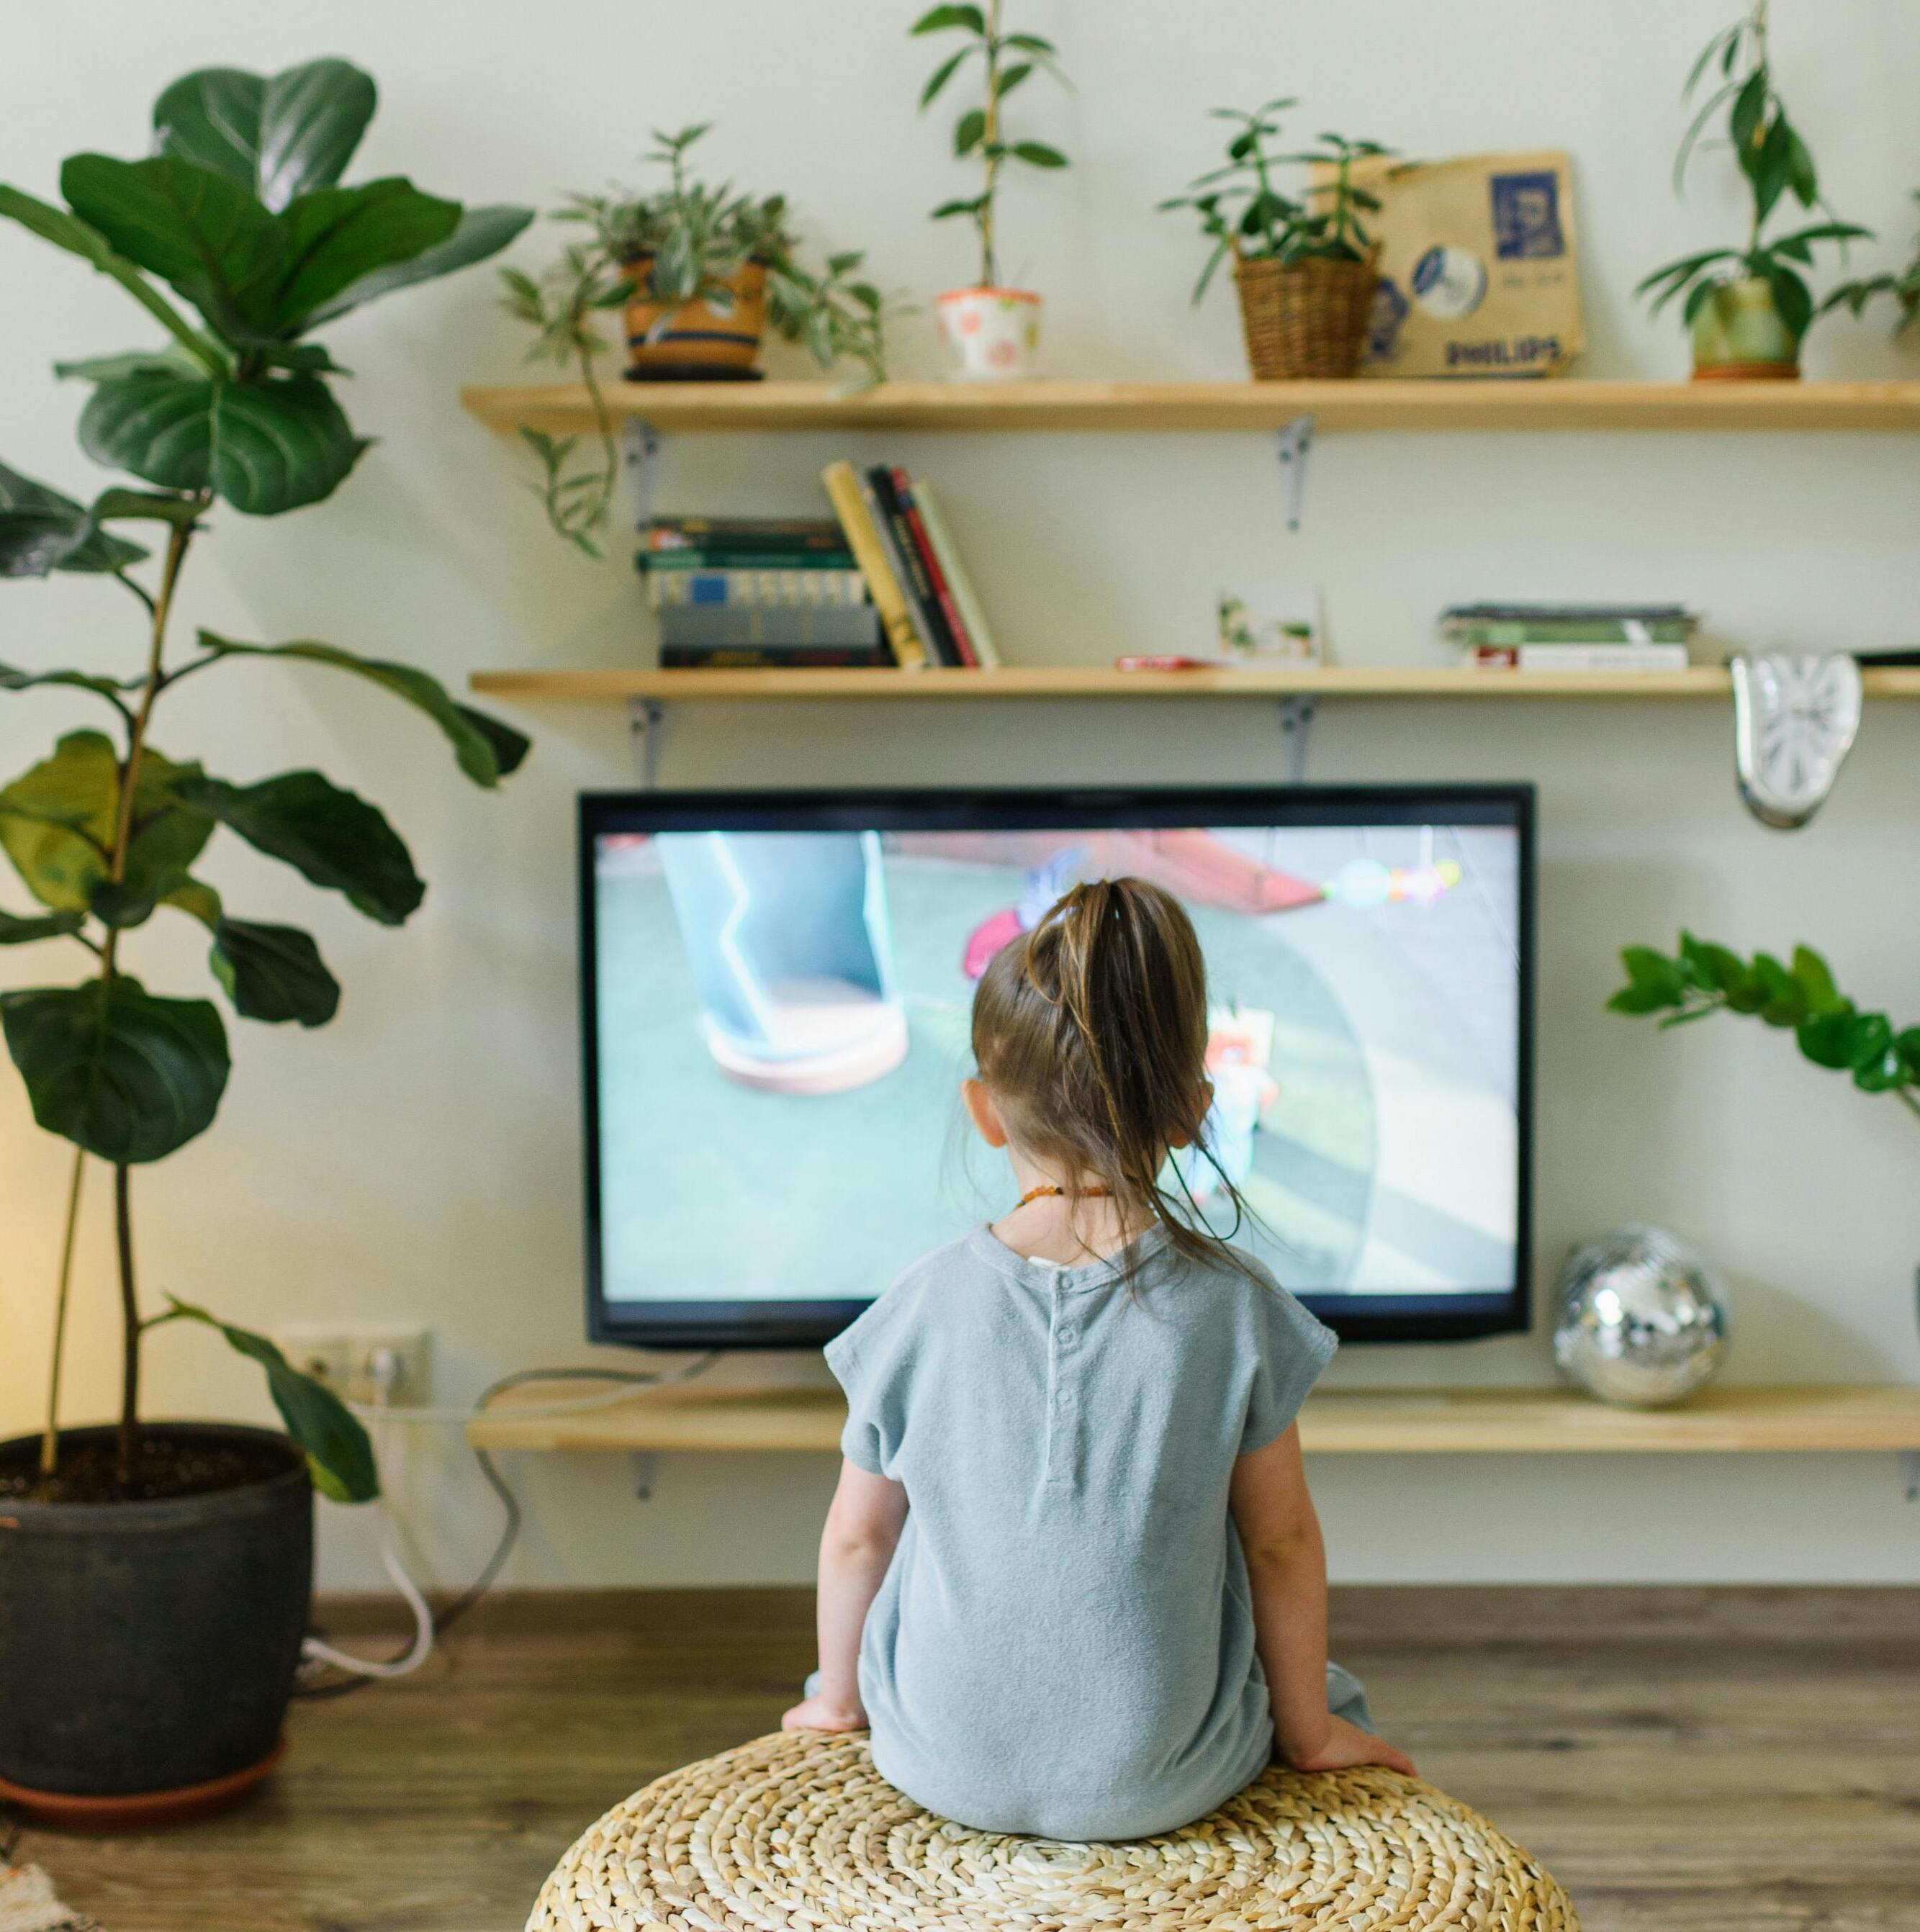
429,1628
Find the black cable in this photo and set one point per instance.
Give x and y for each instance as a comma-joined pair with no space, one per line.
444,1621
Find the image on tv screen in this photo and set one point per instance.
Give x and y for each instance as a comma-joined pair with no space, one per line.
781,1025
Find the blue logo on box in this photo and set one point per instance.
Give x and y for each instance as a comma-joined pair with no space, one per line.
1526,218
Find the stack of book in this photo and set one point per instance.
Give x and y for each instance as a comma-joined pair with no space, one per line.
758,592
1630,638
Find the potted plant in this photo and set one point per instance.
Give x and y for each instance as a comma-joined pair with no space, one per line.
1304,265
1904,288
700,273
155,1575
989,333
1749,308
1700,978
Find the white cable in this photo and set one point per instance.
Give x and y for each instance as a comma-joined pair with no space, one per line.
312,1650
629,1387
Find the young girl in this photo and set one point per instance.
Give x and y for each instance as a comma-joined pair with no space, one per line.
1072,1578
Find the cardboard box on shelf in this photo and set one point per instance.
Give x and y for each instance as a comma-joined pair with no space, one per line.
1479,275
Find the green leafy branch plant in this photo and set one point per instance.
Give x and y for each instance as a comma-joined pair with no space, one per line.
1248,216
240,212
1775,161
1700,979
1904,288
685,243
1005,61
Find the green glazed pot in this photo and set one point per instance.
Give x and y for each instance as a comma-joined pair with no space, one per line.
1739,334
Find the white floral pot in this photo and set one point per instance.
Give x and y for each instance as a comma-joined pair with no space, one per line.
990,335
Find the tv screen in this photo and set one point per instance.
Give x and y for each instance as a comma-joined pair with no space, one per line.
776,1005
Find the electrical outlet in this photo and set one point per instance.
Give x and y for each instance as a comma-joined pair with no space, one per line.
371,1362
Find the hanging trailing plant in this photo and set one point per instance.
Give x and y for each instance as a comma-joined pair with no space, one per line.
241,214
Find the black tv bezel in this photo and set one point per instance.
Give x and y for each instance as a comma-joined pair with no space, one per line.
809,1324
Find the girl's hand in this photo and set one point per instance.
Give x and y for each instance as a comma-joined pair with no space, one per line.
1347,1746
824,1714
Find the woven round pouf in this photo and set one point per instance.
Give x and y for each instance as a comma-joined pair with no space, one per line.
800,1831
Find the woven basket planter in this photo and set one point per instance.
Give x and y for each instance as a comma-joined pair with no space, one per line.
799,1833
1305,319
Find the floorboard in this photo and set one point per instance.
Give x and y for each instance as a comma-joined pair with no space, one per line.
1685,1760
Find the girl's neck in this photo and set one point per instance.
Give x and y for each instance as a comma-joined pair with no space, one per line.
1058,1228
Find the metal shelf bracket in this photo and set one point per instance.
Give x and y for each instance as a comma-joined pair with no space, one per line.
647,719
1296,726
1910,1474
645,1469
641,442
1292,442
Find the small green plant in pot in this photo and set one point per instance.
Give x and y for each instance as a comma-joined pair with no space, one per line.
1304,263
989,333
1749,308
153,1576
699,272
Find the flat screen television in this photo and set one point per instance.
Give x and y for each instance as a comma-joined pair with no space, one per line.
775,997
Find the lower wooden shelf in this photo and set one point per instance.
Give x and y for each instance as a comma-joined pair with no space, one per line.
1836,1417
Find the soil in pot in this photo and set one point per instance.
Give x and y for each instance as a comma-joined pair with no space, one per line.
89,1471
148,1644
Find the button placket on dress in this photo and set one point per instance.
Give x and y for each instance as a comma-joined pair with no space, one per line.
1063,1438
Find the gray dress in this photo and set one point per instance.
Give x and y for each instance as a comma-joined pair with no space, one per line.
1064,1644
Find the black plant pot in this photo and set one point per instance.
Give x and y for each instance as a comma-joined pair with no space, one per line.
148,1648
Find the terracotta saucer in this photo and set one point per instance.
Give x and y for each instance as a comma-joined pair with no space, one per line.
139,1810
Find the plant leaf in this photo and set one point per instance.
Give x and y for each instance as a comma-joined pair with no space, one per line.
339,1452
936,18
481,232
1816,980
1646,968
278,137
126,1076
486,750
16,930
332,838
1824,1039
969,130
67,231
266,446
40,530
1712,968
1038,155
337,236
943,73
273,973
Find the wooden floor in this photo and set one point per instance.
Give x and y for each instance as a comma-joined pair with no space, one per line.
1685,1760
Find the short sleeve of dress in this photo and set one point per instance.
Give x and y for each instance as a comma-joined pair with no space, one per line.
873,1363
1289,1349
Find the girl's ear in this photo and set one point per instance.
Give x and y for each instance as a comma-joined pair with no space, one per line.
982,1111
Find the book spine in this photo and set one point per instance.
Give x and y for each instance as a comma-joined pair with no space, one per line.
756,589
966,598
857,624
895,532
951,620
1627,659
669,562
752,657
878,516
1629,632
843,489
671,533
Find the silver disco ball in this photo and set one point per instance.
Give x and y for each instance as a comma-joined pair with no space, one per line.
1644,1319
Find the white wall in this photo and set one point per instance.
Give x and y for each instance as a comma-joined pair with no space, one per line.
419,1158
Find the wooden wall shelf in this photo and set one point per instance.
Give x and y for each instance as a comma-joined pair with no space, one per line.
1189,407
1862,1418
1057,681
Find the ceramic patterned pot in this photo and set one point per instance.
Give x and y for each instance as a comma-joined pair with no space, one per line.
1738,336
669,340
990,335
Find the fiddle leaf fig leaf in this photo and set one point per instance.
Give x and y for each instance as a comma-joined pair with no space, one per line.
198,900
273,973
333,838
41,530
278,136
265,446
485,750
335,236
339,1452
128,1077
17,930
481,232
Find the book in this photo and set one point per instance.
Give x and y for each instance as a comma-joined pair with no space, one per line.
676,562
877,488
843,489
952,623
856,625
722,534
755,657
887,481
1511,624
756,589
960,586
1626,659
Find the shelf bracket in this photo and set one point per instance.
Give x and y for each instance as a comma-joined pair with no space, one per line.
645,1469
647,719
1296,725
1910,1474
641,442
1292,442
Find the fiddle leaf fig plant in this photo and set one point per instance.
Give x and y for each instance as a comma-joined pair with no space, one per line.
1700,978
238,237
